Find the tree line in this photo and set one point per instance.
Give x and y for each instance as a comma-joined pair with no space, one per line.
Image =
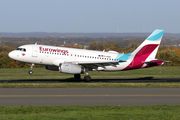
121,42
165,53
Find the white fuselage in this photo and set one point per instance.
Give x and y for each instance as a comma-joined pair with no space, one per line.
52,55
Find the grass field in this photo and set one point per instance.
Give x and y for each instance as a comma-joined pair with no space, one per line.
42,73
157,112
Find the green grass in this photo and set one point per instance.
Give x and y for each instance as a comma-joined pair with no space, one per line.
82,84
157,112
42,73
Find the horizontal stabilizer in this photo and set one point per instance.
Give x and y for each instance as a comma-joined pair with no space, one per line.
153,62
159,61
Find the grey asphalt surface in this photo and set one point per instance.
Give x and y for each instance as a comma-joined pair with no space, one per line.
89,96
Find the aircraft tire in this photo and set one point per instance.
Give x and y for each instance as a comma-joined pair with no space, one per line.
77,76
30,72
87,78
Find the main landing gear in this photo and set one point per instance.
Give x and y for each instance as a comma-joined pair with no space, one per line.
30,71
87,78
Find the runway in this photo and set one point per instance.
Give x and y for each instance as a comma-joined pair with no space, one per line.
88,96
144,79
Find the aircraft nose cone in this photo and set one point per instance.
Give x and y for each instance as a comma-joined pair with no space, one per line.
11,55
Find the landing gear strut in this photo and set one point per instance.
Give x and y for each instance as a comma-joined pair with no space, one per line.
30,71
87,78
77,76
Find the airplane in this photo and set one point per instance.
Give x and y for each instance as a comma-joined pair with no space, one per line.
79,61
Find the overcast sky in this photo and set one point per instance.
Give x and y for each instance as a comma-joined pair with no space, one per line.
89,16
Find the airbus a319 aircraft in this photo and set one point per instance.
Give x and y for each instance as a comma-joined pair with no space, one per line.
80,61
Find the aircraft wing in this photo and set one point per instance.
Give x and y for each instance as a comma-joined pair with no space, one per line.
95,64
89,64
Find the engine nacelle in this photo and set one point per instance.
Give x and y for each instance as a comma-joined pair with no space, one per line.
52,67
71,68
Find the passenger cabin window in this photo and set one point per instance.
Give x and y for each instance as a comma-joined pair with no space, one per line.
21,49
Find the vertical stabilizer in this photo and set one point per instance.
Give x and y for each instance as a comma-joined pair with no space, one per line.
146,51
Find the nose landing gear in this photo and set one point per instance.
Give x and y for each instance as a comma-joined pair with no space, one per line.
30,71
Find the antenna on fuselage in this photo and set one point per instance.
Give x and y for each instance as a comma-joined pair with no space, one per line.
36,43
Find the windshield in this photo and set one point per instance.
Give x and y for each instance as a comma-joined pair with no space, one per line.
21,49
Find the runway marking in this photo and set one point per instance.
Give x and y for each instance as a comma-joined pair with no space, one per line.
89,95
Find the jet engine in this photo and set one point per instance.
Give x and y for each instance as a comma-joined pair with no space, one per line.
71,68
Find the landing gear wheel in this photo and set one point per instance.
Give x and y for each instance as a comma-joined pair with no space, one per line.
87,78
30,72
77,76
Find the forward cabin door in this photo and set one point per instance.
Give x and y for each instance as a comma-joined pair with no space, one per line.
34,51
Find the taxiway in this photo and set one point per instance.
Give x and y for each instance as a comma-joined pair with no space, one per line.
88,96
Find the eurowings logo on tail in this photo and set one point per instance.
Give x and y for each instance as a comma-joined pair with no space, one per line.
145,53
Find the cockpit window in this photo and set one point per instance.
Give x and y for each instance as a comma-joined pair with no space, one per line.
21,49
